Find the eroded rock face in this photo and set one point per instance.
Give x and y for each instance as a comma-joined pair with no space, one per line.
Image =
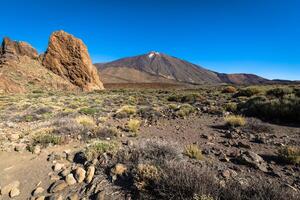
68,57
12,49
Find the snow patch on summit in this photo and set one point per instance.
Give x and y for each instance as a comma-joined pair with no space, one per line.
152,54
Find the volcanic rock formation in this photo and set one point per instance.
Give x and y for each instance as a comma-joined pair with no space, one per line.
68,57
10,50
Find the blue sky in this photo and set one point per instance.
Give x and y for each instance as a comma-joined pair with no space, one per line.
251,36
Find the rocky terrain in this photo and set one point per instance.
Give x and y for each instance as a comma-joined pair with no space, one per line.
65,66
155,67
205,143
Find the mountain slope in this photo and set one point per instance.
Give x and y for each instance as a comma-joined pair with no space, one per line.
157,67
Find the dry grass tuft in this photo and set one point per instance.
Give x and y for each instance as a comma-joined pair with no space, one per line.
235,120
193,151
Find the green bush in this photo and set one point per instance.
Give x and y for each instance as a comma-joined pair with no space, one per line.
249,91
290,154
279,92
229,89
184,98
185,110
279,110
88,111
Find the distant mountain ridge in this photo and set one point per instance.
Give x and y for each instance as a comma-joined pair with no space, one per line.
159,67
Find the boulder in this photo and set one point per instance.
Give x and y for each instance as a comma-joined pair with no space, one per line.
68,57
12,49
253,160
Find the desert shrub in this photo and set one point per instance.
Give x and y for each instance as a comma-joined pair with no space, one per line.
126,111
145,175
193,151
278,110
290,154
149,113
255,126
133,125
235,121
88,111
67,125
229,89
258,189
45,138
202,197
86,121
297,92
153,151
279,92
106,132
182,180
184,98
173,106
249,91
30,118
100,147
185,110
230,107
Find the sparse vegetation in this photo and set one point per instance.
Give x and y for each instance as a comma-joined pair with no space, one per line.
194,152
46,137
184,98
86,121
229,89
249,91
235,120
277,110
99,147
279,92
185,110
290,154
133,125
126,111
88,111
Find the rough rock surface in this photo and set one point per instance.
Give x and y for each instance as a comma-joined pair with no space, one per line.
10,50
68,57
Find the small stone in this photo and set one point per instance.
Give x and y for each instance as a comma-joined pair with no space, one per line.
80,174
65,172
58,167
37,191
73,197
58,186
101,195
244,145
40,198
90,174
37,149
70,179
55,197
14,192
13,137
20,147
130,143
6,189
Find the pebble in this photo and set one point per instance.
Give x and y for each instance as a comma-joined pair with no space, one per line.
40,198
37,149
73,197
58,186
70,179
6,189
80,174
58,167
90,174
14,192
38,190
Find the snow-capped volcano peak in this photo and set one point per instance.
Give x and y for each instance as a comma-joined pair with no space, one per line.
152,54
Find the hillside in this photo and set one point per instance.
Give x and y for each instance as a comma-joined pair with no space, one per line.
158,67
